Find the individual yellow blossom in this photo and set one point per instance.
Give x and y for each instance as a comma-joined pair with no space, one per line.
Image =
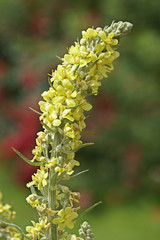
89,34
51,163
39,179
32,200
69,131
41,207
69,167
78,55
49,95
66,218
108,40
51,212
74,197
86,106
35,230
59,170
67,113
62,73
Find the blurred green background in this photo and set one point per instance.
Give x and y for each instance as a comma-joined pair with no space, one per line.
125,161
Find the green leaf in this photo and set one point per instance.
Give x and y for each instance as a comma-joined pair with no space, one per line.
26,159
35,111
59,58
48,128
73,108
82,146
79,173
88,210
49,81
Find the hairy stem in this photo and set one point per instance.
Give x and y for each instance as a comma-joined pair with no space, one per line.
52,205
52,186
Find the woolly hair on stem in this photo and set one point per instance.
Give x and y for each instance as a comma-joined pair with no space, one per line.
62,116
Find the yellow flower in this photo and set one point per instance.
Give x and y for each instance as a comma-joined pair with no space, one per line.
51,163
68,130
35,230
59,170
32,200
39,179
89,34
69,167
66,218
108,39
74,197
62,73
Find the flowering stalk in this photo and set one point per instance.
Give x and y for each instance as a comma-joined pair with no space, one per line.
63,119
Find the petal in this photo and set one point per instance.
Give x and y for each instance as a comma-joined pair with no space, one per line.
68,58
70,225
58,99
70,103
56,122
102,35
87,106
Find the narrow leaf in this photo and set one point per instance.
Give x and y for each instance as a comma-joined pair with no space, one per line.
79,173
48,128
26,159
82,146
49,81
35,111
59,58
88,210
73,108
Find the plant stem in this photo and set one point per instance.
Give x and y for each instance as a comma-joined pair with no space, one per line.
52,205
52,186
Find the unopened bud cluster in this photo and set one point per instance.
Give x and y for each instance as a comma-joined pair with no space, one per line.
119,29
85,232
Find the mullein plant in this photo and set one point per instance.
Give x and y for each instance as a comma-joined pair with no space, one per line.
62,116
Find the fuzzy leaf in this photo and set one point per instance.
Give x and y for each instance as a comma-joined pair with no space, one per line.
35,111
49,81
79,173
88,210
73,108
48,128
26,159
